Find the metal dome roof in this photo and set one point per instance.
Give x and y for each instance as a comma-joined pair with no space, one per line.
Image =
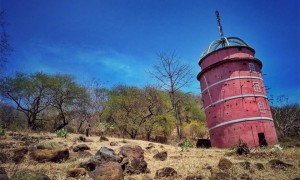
223,42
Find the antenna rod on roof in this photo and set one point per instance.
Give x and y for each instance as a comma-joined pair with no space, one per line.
219,24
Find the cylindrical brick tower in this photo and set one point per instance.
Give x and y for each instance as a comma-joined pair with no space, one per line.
234,95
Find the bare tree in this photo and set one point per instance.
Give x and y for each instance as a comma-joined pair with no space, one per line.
286,118
172,75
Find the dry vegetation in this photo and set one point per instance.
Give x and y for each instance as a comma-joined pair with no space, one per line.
191,162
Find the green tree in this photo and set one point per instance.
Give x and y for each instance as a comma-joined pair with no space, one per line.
30,93
135,110
69,99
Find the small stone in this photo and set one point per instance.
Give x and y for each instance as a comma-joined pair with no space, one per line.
246,165
224,164
260,166
161,156
165,172
108,170
132,151
102,138
113,144
275,163
76,172
81,147
136,166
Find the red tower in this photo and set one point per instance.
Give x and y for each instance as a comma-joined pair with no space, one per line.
234,95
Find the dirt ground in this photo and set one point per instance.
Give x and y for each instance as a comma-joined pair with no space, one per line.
193,161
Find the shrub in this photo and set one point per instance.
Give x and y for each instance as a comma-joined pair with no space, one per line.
62,133
186,145
195,129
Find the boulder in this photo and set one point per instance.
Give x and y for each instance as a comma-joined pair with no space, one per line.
46,155
132,151
108,170
76,172
102,138
161,156
108,154
166,172
29,175
19,154
81,147
136,166
103,155
51,145
260,166
276,163
224,164
203,143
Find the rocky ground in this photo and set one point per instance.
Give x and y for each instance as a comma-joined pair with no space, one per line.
45,156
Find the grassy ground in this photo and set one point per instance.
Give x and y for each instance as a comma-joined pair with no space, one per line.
191,162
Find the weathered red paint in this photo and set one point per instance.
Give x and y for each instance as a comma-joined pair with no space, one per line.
234,97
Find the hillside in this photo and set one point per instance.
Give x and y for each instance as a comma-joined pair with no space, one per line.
190,162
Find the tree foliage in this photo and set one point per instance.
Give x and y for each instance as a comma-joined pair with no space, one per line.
131,109
30,93
36,93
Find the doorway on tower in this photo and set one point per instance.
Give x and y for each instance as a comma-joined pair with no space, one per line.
262,140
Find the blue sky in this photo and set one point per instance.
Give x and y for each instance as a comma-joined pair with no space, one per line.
117,41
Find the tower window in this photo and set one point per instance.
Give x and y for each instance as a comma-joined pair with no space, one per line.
256,87
261,107
251,67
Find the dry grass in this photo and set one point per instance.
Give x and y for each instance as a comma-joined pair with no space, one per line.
191,162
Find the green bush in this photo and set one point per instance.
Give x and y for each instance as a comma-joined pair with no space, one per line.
62,133
186,145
